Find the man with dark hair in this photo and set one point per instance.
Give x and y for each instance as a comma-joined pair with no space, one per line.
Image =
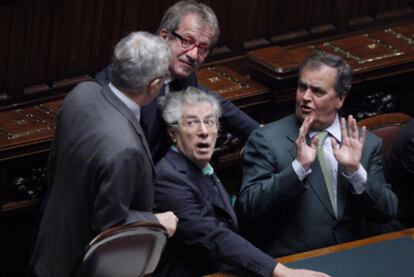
191,29
303,191
101,168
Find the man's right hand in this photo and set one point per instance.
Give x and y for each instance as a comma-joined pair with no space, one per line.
284,271
306,154
169,221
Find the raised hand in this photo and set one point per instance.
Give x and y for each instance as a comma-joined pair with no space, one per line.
349,153
306,154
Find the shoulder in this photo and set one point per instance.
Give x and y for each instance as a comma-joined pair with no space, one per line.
372,139
277,129
171,163
82,92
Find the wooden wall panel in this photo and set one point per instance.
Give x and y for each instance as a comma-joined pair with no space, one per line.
364,13
6,15
47,46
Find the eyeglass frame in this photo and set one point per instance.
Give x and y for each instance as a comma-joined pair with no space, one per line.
201,48
188,124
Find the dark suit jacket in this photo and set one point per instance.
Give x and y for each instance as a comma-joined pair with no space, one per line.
102,176
206,239
286,215
232,120
399,171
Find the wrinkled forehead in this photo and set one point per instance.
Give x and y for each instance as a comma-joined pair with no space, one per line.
321,76
192,26
200,110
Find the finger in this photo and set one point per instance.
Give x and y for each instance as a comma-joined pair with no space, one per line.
303,130
363,135
314,142
353,127
344,133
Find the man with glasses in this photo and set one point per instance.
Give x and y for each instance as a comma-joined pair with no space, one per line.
206,240
191,30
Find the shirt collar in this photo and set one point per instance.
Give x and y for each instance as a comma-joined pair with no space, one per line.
207,170
333,130
168,80
134,107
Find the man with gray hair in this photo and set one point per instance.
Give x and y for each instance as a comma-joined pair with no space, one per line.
311,178
185,182
100,164
191,30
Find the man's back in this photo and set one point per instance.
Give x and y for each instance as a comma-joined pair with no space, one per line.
94,143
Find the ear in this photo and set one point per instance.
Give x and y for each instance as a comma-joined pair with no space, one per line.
341,101
172,136
163,33
155,85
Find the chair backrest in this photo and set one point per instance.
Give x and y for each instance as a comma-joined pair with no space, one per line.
386,126
124,251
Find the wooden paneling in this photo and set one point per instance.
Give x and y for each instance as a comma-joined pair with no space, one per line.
48,46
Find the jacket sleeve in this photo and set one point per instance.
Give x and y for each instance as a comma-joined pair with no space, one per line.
198,227
269,180
116,190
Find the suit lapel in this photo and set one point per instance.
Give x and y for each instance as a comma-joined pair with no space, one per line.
204,185
226,202
123,109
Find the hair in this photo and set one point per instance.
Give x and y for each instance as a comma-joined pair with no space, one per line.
139,58
175,14
343,81
172,104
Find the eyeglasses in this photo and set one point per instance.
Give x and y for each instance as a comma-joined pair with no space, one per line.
189,44
193,124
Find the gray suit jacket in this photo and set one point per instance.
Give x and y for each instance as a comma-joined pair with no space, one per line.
102,176
283,215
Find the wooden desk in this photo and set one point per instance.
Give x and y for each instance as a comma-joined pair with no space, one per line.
409,233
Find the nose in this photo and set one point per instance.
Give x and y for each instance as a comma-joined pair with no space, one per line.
307,94
193,53
202,129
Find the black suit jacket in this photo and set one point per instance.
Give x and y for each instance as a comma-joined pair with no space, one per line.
206,240
102,176
284,215
232,120
399,171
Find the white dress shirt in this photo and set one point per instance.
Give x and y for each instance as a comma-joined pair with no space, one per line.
134,107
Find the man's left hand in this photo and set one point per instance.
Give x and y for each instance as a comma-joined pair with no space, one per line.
349,153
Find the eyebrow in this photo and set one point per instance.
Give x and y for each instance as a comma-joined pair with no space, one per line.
191,38
195,116
313,88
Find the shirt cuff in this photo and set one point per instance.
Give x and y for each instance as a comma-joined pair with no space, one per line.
358,179
300,171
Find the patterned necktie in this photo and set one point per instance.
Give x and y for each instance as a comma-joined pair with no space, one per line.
325,169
